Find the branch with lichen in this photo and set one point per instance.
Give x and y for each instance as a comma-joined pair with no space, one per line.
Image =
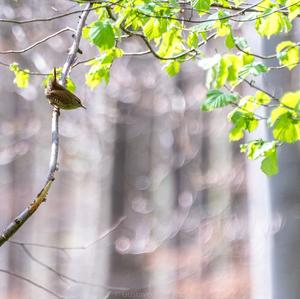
16,224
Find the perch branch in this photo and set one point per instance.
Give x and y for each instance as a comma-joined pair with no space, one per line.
14,226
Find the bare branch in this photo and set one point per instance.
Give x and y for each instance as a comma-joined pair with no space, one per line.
20,22
82,247
37,43
67,278
255,55
24,215
125,55
31,282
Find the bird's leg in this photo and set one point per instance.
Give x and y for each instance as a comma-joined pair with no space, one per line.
56,109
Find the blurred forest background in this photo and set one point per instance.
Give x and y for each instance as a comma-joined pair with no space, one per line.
199,221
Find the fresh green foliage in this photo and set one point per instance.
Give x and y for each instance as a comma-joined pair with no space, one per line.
218,99
100,67
266,151
288,54
201,5
102,35
177,32
21,76
242,121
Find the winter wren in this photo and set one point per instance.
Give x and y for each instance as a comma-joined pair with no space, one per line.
60,97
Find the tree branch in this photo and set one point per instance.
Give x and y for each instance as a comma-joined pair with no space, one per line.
82,247
37,43
67,278
20,22
147,43
14,226
31,282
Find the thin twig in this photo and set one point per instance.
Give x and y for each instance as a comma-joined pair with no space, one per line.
272,56
36,43
82,247
125,55
238,13
147,43
67,278
20,22
31,282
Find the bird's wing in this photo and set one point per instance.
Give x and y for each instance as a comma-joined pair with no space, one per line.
66,97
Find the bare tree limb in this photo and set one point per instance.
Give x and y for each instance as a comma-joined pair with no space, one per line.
67,278
20,22
24,215
82,247
37,43
31,282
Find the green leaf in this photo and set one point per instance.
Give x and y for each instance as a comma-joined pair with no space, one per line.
192,40
172,43
262,98
271,21
292,100
257,148
293,8
217,99
241,42
154,28
262,149
288,54
255,69
269,164
102,35
100,68
222,73
207,25
234,64
242,120
201,5
172,67
222,25
229,41
86,32
21,76
70,85
286,129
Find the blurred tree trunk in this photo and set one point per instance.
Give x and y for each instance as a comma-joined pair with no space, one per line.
127,270
259,203
285,194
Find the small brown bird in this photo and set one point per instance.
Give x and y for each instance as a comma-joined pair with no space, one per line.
60,97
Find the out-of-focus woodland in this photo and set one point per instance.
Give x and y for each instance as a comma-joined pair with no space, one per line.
150,200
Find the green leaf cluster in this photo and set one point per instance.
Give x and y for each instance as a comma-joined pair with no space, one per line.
21,76
100,67
218,99
267,151
288,54
271,21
